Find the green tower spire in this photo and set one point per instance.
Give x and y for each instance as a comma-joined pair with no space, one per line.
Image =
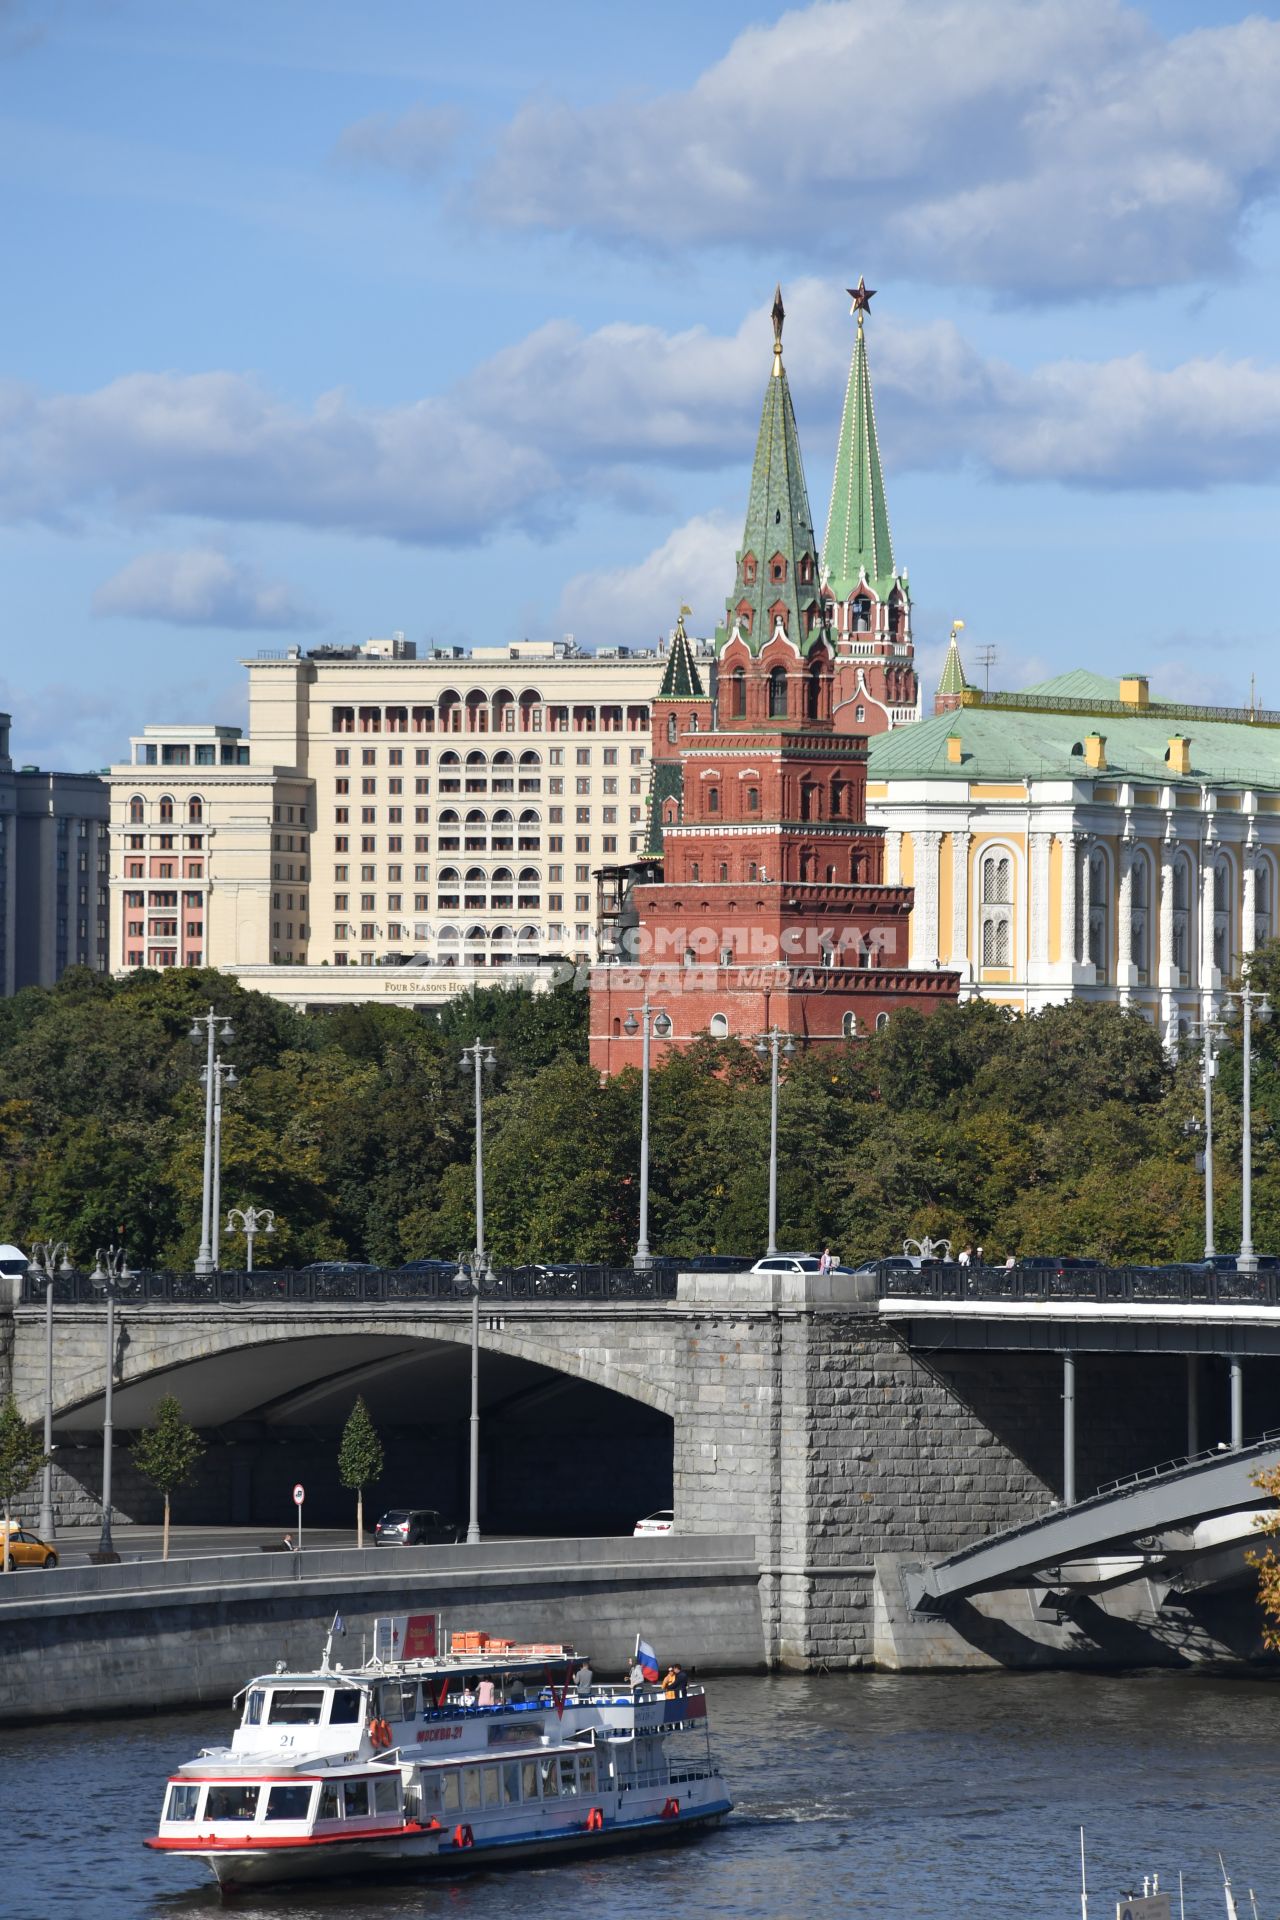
681,679
858,540
778,561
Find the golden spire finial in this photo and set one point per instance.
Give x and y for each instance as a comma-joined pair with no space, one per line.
779,315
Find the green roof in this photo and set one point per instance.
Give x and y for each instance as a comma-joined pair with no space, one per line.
779,525
681,679
953,680
1009,743
1079,684
858,540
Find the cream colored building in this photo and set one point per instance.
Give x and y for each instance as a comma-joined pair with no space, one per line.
210,853
386,810
1080,840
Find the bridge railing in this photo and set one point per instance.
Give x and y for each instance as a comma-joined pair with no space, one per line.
391,1286
1108,1286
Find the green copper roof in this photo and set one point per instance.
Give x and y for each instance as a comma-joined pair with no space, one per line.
681,679
858,539
953,680
1008,743
666,783
778,535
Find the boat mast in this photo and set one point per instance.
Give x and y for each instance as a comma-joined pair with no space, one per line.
1226,1889
1084,1886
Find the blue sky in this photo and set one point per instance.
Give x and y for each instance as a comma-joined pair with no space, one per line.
323,321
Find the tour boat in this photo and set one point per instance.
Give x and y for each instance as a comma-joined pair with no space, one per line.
420,1759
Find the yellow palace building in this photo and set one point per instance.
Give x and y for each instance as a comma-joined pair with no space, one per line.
1082,840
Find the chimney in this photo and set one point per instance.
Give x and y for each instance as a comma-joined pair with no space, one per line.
1134,691
1095,752
955,750
1179,754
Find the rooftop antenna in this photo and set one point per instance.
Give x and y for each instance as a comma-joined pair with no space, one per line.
987,657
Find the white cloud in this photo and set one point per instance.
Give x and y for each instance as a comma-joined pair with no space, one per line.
566,416
632,605
198,587
1045,149
416,143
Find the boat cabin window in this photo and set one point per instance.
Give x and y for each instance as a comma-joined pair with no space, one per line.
296,1706
253,1707
288,1803
231,1803
452,1793
398,1700
385,1797
344,1710
355,1798
470,1788
529,1779
492,1784
550,1779
329,1808
182,1803
511,1782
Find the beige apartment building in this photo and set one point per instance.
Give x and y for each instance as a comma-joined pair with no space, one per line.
384,810
210,854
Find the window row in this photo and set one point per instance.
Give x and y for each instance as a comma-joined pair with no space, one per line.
501,712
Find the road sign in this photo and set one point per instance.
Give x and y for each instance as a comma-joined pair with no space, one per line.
299,1494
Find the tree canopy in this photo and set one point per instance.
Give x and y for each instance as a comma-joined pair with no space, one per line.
1067,1131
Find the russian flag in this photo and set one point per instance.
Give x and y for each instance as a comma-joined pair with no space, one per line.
647,1658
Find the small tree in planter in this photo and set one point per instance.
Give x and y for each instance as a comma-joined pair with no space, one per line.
166,1453
21,1457
360,1458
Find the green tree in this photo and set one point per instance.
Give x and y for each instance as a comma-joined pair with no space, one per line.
166,1453
360,1458
22,1455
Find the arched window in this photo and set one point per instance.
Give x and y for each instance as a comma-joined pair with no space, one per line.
693,723
996,896
195,808
882,1021
778,693
136,810
739,684
719,1027
713,798
859,713
861,618
753,799
1223,943
1140,914
849,1025
166,807
1263,902
1182,915
1099,917
671,730
813,691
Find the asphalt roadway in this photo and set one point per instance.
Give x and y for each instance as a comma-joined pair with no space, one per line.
75,1544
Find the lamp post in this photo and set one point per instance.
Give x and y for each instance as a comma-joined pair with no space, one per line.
251,1224
208,1028
481,1060
48,1257
1210,1035
652,1020
1252,1004
109,1274
776,1040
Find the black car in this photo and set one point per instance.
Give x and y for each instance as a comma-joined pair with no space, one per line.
414,1527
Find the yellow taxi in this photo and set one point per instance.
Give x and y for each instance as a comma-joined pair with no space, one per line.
26,1549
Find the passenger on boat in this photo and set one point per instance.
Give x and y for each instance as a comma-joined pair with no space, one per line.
467,1697
485,1695
635,1677
583,1678
675,1682
515,1691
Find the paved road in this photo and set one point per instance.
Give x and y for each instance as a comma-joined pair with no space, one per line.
75,1544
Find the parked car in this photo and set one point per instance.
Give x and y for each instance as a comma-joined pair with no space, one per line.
428,1266
414,1527
1056,1265
788,1263
27,1549
1229,1263
717,1263
664,1521
340,1266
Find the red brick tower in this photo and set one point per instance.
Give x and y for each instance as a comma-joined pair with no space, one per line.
770,906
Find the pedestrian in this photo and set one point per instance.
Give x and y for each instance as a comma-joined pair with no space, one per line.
1010,1263
978,1260
827,1261
966,1255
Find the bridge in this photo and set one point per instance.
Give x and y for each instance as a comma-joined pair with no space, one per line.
841,1421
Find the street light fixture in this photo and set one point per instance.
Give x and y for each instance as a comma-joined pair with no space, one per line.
48,1258
1211,1035
1252,1005
776,1041
652,1020
209,1028
251,1224
481,1060
110,1272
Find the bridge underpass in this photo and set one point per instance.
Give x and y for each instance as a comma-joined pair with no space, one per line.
559,1454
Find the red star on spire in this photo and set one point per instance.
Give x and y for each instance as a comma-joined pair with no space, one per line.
862,295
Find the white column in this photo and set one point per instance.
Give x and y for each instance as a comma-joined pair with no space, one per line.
1249,920
1124,927
1086,897
1165,972
1204,958
1038,882
924,920
1068,843
960,844
893,859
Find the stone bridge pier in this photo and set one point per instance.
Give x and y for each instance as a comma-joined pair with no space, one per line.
777,1406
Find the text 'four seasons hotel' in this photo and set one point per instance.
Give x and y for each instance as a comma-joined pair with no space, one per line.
392,823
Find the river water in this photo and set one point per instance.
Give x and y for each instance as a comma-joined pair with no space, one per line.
887,1795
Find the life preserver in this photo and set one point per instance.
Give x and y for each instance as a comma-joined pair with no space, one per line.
595,1820
671,1810
463,1837
379,1734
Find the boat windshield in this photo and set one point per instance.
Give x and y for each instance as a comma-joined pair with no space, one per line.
296,1706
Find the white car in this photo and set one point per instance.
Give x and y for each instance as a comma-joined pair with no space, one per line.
788,1263
664,1521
